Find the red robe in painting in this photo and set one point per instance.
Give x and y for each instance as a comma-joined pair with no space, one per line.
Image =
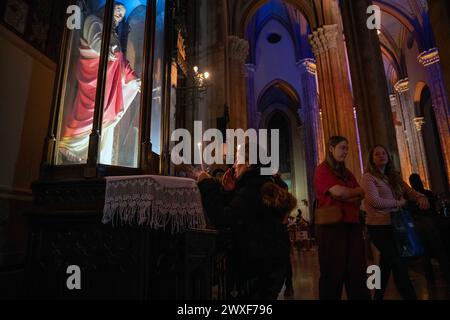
120,89
82,115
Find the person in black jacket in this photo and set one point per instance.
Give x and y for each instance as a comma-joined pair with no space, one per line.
288,283
426,222
253,207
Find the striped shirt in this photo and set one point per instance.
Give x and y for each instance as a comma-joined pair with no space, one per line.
380,201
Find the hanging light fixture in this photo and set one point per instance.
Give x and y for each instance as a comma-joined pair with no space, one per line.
200,78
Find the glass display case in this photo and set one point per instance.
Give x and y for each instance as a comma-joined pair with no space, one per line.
108,91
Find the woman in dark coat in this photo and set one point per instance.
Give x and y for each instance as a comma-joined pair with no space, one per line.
253,207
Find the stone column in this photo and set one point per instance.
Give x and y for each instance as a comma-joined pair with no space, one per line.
310,105
334,90
238,51
431,61
253,116
368,77
418,164
399,124
418,124
309,114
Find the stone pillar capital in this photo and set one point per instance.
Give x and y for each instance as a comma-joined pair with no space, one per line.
316,44
429,57
331,34
309,65
402,86
324,39
419,122
238,48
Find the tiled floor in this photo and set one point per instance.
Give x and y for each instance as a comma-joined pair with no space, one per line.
306,280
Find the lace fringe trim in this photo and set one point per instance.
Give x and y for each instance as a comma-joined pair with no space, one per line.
145,202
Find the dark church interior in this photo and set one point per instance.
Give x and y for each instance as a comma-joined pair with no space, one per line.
108,190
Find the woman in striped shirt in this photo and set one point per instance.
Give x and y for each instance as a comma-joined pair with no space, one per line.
385,192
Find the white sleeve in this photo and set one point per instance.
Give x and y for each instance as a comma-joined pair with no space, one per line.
92,33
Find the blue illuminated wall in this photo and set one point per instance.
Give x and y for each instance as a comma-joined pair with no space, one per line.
277,60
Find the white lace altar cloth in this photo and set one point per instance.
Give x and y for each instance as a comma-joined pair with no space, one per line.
159,202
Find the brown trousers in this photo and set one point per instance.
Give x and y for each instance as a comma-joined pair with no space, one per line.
342,261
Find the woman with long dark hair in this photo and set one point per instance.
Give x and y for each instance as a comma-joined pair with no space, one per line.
386,192
341,244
